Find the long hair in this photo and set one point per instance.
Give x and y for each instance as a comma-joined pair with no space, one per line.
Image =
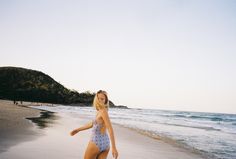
96,102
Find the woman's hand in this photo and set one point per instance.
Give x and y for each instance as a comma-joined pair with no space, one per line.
74,132
114,153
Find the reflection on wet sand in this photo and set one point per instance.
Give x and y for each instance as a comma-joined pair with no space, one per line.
46,119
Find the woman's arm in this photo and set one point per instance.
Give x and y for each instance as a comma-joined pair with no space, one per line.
107,121
85,127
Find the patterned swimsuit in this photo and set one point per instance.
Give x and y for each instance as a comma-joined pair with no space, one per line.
100,139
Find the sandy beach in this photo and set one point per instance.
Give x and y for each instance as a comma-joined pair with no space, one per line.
26,139
14,128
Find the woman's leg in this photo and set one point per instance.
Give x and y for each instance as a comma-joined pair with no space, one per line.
103,155
92,151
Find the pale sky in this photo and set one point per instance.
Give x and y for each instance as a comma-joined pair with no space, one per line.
161,54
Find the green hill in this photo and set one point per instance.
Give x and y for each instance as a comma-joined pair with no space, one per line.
23,84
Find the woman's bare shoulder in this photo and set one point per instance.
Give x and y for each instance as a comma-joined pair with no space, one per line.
104,111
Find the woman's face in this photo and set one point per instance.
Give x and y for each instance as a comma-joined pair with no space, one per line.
101,98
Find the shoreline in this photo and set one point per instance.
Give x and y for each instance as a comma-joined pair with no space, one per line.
129,141
169,141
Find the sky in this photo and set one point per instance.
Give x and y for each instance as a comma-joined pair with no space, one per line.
159,54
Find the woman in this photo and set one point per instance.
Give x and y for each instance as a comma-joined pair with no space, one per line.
99,144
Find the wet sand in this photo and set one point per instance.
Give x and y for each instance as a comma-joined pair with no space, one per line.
53,140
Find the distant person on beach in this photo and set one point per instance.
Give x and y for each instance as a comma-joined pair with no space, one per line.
99,144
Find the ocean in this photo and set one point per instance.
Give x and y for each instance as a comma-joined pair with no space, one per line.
211,134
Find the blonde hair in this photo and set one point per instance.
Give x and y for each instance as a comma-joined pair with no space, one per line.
96,102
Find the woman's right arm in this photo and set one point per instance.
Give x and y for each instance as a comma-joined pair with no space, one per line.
85,127
111,132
